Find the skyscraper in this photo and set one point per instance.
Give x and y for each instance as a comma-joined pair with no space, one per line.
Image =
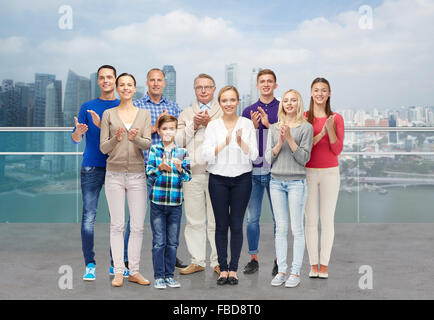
77,92
231,75
170,76
53,105
9,103
41,83
53,118
26,103
254,92
393,136
95,90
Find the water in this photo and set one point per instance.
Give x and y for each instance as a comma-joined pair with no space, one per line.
399,205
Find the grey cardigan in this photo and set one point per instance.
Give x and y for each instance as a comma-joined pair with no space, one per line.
288,165
125,155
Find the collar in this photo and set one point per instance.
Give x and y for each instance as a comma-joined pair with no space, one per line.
203,106
147,98
160,145
271,104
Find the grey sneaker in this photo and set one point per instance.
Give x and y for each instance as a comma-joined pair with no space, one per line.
160,284
278,280
172,283
292,281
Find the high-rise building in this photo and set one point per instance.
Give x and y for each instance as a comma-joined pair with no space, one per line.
170,76
10,104
53,141
393,137
95,90
254,92
53,105
26,103
231,75
41,83
140,92
77,91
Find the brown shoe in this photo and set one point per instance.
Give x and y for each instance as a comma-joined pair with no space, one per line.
192,268
118,280
138,278
217,269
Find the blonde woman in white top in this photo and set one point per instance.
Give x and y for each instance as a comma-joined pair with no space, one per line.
229,148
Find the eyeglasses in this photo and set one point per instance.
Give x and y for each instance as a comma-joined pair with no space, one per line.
207,88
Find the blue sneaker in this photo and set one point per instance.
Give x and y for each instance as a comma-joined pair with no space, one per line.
89,274
172,283
160,284
126,273
112,272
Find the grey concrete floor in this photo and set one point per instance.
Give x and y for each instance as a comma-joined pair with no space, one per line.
401,257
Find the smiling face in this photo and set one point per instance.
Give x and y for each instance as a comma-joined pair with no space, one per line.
204,89
126,87
156,83
229,102
106,80
290,104
167,131
266,85
320,93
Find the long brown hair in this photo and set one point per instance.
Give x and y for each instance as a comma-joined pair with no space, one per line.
328,110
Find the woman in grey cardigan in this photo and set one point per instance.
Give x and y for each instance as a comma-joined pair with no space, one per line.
288,150
125,133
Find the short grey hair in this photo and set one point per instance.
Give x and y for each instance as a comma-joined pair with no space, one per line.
204,76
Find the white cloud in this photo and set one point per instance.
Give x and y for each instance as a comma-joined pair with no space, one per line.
12,46
386,66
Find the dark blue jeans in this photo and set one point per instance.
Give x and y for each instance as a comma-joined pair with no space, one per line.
229,198
165,225
92,180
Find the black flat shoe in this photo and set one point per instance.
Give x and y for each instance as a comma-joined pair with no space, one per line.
232,281
222,281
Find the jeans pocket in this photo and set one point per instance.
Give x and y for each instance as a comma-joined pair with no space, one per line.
86,169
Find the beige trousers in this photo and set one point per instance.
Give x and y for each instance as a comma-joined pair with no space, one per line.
198,209
322,195
117,184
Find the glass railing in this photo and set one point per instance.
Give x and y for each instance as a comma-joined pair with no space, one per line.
387,176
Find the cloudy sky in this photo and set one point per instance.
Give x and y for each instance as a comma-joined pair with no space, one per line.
389,65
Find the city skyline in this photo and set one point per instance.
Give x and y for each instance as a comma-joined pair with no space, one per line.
25,104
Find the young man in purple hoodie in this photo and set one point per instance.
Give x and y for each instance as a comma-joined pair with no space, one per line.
263,113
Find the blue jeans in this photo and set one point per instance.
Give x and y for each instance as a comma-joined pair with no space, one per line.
259,184
289,196
165,225
92,180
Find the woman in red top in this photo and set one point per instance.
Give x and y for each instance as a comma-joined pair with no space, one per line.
322,175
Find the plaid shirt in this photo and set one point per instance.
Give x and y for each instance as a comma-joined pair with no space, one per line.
167,186
171,107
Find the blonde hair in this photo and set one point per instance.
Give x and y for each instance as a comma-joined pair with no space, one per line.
281,114
228,88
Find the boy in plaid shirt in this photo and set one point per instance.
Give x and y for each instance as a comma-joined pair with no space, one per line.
168,166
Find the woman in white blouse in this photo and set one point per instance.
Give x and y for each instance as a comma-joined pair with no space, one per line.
229,148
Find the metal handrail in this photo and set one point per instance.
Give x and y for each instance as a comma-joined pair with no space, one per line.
348,129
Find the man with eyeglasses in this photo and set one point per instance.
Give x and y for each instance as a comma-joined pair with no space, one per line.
192,123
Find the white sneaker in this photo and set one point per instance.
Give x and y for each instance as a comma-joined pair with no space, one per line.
278,280
292,281
313,274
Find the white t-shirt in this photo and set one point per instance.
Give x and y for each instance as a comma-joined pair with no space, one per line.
230,161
